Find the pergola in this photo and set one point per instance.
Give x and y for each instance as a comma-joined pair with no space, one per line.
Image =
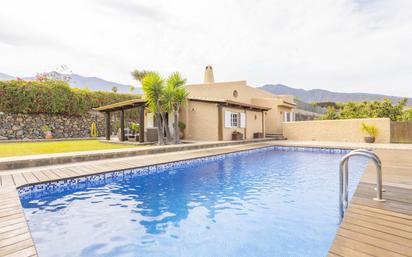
122,106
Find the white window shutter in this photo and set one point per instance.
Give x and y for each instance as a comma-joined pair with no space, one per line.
242,120
227,119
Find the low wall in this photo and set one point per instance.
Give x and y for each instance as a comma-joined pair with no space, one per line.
28,126
336,130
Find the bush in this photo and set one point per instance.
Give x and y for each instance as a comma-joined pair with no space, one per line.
134,127
368,109
53,97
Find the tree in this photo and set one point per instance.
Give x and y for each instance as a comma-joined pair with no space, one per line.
153,86
132,88
407,115
368,109
114,89
176,94
330,114
139,74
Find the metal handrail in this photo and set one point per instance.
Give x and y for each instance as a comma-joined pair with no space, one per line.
343,176
367,151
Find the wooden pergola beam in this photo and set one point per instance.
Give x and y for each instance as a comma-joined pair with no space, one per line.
122,125
108,129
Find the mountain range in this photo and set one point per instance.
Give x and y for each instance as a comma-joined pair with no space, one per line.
321,95
313,95
79,81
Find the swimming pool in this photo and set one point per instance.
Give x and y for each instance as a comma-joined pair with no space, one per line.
276,201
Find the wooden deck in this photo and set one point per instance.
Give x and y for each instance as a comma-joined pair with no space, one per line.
369,228
372,228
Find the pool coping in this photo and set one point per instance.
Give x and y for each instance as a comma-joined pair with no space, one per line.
12,213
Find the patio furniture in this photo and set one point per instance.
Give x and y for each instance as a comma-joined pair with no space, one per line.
151,135
134,137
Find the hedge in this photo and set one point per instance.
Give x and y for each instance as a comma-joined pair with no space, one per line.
53,97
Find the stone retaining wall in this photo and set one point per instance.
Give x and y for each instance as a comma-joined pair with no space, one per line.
28,126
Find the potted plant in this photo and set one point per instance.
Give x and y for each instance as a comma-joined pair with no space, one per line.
371,131
134,128
236,135
182,127
47,132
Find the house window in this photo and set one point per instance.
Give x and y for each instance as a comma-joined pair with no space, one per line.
234,120
288,116
235,93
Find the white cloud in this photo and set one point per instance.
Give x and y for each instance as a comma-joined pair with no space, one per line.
340,45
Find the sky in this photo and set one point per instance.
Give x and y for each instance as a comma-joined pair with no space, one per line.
338,45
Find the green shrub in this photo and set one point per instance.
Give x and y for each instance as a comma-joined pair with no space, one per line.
368,109
53,97
134,127
371,130
182,125
45,129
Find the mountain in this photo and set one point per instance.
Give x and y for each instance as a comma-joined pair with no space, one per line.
320,95
79,81
6,77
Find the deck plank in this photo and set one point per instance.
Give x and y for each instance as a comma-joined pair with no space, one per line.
19,179
16,247
359,248
27,252
371,239
7,181
31,179
51,175
40,176
378,234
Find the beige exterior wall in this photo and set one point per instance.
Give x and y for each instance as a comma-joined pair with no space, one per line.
253,123
201,121
273,117
335,130
224,90
249,95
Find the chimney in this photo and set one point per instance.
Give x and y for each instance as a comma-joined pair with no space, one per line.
209,75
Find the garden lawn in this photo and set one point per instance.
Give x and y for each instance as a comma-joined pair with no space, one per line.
31,148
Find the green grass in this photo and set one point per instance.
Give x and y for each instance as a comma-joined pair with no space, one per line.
31,148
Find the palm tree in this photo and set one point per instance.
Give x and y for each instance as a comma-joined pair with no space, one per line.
176,95
153,87
139,74
167,107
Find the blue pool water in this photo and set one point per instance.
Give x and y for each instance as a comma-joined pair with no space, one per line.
262,203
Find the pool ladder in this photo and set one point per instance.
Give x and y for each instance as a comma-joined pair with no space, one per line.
344,174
